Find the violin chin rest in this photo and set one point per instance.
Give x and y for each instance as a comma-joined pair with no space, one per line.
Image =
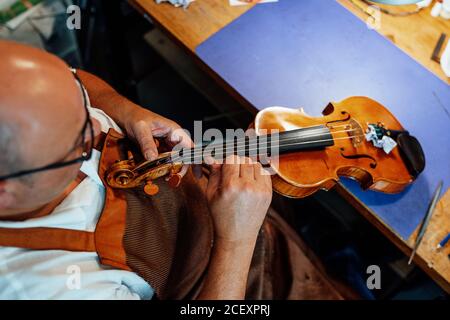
412,153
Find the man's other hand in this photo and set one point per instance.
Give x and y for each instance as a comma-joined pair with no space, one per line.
239,193
139,123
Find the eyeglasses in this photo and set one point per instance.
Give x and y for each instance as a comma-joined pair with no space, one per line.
87,144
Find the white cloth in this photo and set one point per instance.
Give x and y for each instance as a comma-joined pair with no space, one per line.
177,3
55,274
445,60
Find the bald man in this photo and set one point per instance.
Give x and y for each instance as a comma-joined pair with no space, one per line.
45,140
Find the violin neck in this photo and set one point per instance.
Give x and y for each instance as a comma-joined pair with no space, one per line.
310,138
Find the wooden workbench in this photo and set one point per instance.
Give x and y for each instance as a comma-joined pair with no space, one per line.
192,26
417,35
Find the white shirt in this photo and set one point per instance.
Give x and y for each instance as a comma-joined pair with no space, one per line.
57,274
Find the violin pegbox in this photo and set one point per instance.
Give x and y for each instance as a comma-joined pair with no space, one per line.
380,137
127,174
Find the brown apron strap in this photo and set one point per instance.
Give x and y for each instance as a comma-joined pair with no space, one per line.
48,239
99,141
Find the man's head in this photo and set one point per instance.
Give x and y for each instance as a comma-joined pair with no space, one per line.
41,119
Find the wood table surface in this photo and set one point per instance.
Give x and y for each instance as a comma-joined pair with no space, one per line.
191,27
416,35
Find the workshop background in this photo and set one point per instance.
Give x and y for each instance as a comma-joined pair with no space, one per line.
121,46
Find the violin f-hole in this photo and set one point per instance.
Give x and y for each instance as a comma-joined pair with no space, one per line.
373,165
329,124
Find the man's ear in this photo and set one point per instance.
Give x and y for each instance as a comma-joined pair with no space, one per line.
6,197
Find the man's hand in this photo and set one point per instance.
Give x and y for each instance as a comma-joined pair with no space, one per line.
238,197
139,123
144,125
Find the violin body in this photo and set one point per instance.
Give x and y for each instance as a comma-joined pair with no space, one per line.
300,174
355,138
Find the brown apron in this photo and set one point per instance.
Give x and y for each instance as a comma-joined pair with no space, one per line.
167,240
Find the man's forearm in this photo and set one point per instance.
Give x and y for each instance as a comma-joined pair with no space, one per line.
227,274
105,97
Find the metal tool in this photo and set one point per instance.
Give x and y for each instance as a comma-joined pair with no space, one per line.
426,220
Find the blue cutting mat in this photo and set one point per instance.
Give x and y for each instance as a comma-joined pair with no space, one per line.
306,53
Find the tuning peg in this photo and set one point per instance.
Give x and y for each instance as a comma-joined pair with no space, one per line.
174,180
151,189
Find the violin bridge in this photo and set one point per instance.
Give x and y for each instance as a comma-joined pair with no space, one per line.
356,132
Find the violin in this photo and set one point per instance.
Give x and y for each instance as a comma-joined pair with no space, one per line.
357,138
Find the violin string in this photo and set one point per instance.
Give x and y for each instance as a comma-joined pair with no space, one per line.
283,140
199,150
198,154
200,157
196,150
241,141
339,126
310,133
248,139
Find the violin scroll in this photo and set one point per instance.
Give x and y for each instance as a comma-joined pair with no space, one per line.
126,174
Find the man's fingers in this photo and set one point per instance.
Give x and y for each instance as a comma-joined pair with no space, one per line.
180,137
174,136
214,179
230,169
144,137
184,170
246,169
262,175
251,133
